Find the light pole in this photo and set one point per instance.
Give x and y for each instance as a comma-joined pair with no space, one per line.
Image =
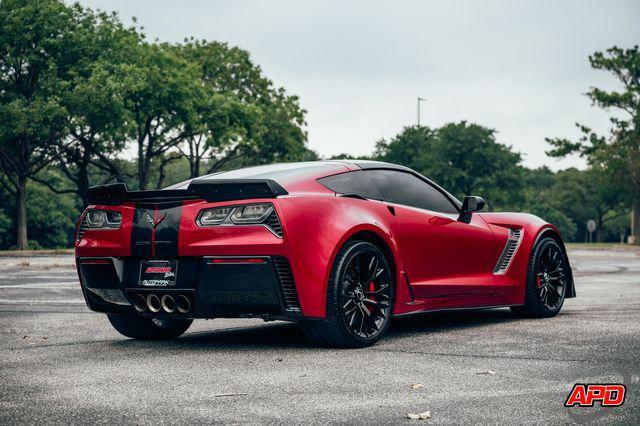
420,100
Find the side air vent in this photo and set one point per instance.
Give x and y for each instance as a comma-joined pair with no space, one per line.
286,282
274,224
513,242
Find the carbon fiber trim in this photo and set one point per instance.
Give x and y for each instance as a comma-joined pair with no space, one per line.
509,251
285,275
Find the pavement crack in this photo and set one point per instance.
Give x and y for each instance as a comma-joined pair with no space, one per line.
481,356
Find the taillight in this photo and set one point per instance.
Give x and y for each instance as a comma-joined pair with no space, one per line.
98,219
245,214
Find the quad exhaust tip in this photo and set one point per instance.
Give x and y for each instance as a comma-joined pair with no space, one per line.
139,302
168,304
183,304
153,303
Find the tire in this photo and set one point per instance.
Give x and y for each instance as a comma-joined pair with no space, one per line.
367,312
541,274
137,327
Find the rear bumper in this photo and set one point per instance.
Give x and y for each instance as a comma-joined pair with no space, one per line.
221,286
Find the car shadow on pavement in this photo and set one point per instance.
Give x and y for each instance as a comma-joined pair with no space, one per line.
289,335
444,321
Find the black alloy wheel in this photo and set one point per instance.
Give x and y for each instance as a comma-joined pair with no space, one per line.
546,280
360,297
366,293
550,276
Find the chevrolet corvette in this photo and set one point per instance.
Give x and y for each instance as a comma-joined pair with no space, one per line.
340,247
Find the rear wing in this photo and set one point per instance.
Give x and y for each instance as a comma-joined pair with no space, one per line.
210,190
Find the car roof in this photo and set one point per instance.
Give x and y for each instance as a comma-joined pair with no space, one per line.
293,176
288,172
371,164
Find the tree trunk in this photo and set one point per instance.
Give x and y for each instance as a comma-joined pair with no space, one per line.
22,243
599,230
141,161
635,230
82,179
83,185
196,168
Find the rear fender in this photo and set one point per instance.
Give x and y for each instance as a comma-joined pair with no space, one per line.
322,225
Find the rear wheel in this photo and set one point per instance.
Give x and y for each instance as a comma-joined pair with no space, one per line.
359,299
546,281
138,327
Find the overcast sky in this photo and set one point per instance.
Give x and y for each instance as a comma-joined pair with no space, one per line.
358,66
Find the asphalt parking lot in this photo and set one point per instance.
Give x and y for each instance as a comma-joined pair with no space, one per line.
60,363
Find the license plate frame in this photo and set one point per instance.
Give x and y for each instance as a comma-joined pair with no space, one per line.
158,273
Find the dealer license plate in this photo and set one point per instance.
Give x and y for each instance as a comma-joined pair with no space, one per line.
158,273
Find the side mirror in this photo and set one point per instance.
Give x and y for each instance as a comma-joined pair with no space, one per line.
469,205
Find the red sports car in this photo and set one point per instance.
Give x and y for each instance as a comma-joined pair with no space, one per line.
341,247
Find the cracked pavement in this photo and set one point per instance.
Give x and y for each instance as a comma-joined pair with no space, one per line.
60,363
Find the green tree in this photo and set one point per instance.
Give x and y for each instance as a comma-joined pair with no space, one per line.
464,158
619,154
96,114
38,48
409,148
160,91
584,195
243,118
541,199
51,220
468,160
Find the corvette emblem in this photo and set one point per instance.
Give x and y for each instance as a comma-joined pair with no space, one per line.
154,223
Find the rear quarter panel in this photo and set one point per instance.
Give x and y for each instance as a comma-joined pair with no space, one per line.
316,227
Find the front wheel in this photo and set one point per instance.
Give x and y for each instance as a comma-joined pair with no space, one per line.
137,327
359,299
546,281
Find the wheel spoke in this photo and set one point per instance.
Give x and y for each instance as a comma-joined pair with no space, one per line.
550,276
350,301
371,270
547,297
376,303
378,291
362,269
559,290
352,320
366,294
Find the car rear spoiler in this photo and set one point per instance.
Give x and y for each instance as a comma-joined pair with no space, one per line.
210,190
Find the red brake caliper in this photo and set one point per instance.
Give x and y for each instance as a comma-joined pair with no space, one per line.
539,284
372,297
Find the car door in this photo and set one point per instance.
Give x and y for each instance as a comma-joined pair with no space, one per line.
442,257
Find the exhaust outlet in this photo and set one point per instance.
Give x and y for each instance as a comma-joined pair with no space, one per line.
183,304
139,302
168,304
153,303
